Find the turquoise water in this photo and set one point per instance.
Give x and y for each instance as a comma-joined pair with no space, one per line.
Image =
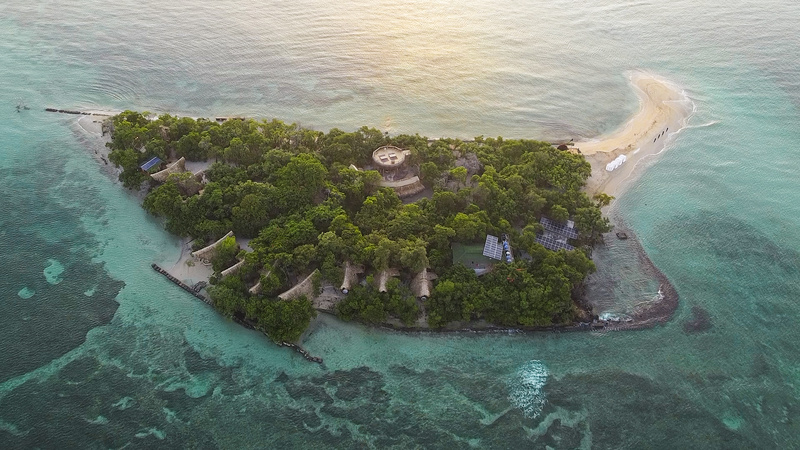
99,351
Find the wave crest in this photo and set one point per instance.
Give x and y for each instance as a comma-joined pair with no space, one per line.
526,388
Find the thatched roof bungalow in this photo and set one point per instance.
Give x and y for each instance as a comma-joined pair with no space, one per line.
208,252
305,287
383,277
421,284
176,167
351,272
232,269
256,289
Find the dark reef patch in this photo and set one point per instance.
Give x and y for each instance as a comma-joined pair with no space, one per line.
661,418
34,231
700,321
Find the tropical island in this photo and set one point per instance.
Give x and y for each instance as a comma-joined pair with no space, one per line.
381,216
403,230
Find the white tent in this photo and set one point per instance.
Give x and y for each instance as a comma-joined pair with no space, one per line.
616,162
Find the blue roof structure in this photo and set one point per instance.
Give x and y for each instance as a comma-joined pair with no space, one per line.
149,164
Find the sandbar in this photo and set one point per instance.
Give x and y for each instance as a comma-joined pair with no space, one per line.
664,110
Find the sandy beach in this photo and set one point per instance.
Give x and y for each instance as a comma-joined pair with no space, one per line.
189,269
664,110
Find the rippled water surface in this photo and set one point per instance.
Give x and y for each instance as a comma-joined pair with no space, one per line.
99,351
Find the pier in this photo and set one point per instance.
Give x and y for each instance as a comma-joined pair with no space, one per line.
67,111
182,285
302,351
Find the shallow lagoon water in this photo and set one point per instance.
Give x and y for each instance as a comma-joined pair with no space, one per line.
140,362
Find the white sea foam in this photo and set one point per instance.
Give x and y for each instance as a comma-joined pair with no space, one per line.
526,388
704,125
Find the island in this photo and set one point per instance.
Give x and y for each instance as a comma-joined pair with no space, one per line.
404,231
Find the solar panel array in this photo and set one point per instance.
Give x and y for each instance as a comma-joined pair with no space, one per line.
152,162
553,243
559,228
493,249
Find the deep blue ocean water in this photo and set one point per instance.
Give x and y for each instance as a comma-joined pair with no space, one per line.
99,351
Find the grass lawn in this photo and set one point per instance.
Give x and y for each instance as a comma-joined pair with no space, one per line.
471,256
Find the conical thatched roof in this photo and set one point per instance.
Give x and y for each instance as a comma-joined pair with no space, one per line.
351,272
383,277
421,284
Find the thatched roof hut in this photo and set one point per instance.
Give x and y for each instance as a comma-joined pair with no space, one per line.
208,251
383,277
176,167
351,272
256,289
421,284
305,287
232,269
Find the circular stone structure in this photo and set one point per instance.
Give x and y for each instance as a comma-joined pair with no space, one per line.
389,157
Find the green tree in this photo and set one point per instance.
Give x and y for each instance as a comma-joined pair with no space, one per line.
459,174
240,154
227,301
281,320
413,256
602,199
429,173
225,254
362,303
468,228
559,213
189,147
251,215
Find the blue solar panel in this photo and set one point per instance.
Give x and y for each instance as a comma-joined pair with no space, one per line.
151,163
560,228
492,248
553,243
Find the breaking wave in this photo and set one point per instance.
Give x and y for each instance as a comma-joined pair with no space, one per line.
526,388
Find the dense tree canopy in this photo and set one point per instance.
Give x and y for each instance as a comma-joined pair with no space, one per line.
294,192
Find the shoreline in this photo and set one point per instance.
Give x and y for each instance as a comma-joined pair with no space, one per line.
663,107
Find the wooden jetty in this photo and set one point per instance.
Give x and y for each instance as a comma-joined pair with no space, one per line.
182,285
